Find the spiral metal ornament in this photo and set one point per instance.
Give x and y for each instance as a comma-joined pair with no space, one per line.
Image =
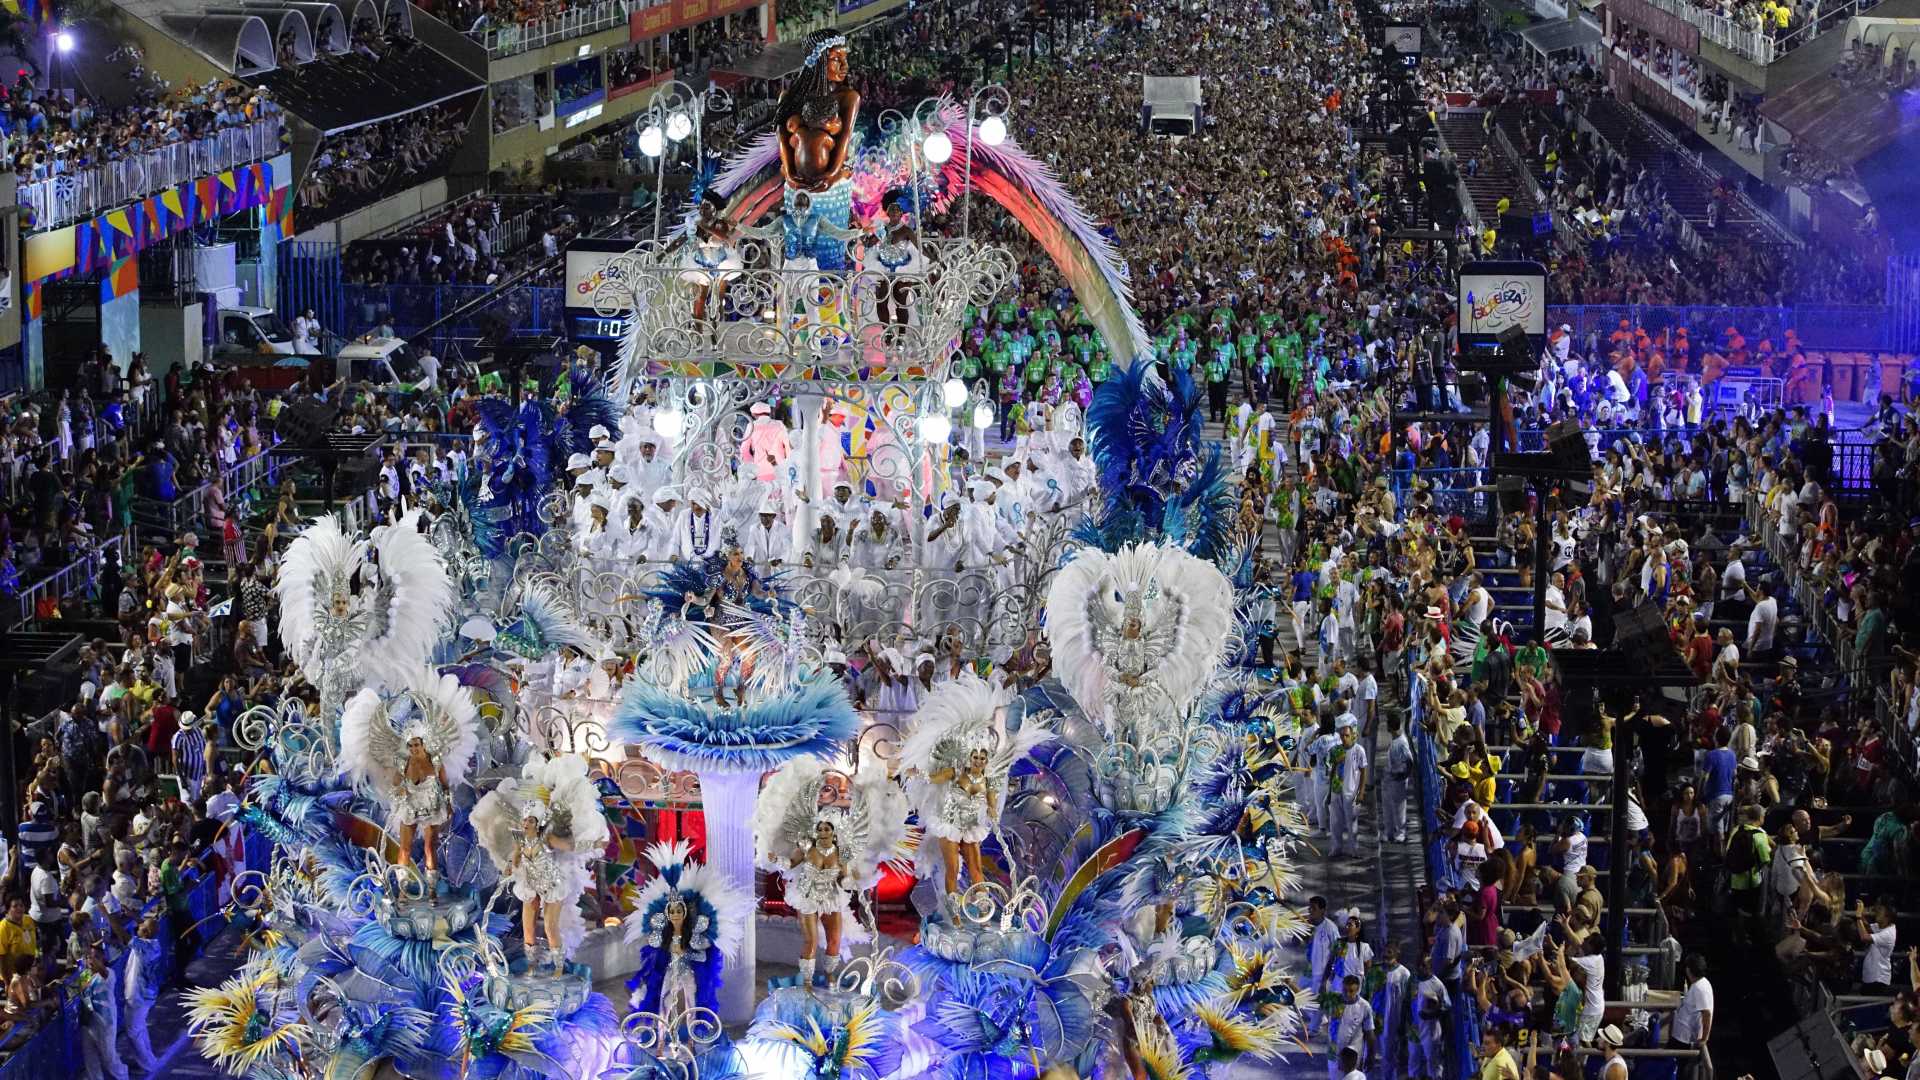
674,1039
780,316
988,906
880,978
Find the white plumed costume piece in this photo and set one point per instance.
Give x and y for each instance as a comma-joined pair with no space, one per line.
867,833
1185,606
392,626
375,728
956,718
559,788
316,560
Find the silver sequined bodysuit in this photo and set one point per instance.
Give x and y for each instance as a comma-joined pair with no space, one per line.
537,876
421,803
815,890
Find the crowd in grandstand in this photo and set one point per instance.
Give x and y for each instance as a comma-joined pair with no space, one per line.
1261,266
54,134
360,165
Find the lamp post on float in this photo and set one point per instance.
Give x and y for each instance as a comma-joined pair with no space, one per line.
677,113
986,121
62,42
928,143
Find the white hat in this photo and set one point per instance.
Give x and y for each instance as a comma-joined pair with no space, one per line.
699,496
1875,1060
666,494
579,461
592,476
599,433
1750,763
761,408
835,656
189,721
1609,1036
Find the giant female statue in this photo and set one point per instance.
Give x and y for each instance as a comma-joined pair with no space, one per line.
815,123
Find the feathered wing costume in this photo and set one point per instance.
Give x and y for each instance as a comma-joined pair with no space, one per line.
1137,634
341,636
376,729
1155,476
523,447
741,619
956,719
867,833
541,625
712,928
559,795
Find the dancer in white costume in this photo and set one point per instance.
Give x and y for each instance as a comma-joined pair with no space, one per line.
957,760
412,748
543,831
826,853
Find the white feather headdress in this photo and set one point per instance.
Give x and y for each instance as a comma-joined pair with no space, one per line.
374,728
1185,605
318,563
412,603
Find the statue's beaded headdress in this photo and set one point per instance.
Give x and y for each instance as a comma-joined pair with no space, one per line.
838,41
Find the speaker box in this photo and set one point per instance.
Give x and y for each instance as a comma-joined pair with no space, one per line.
1812,1049
305,423
356,475
1641,634
1568,445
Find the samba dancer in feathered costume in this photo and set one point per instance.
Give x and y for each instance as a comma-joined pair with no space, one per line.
412,748
1136,635
826,853
958,759
542,831
719,611
361,612
687,921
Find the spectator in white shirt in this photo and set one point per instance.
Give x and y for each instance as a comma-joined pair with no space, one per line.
1693,1020
1876,965
1762,622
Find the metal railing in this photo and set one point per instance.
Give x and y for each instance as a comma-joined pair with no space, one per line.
1753,43
237,481
529,309
522,37
69,197
81,574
